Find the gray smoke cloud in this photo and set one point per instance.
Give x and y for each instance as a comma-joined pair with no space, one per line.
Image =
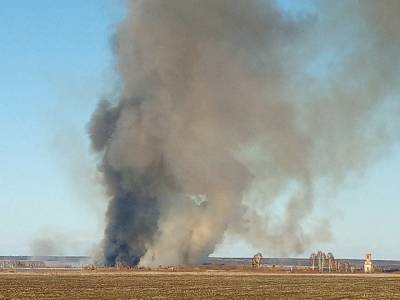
46,246
220,99
51,242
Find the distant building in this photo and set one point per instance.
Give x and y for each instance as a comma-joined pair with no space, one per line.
368,263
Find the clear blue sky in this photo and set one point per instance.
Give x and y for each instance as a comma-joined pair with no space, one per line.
55,63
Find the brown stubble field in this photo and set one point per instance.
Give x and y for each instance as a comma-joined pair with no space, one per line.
195,285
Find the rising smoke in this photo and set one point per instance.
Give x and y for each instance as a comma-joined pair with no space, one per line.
220,98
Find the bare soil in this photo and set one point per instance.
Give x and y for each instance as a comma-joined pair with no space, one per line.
196,285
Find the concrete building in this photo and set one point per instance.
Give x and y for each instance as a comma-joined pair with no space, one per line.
368,263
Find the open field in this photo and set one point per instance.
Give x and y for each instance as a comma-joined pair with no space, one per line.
196,285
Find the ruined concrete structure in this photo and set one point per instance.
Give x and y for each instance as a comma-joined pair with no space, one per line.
368,267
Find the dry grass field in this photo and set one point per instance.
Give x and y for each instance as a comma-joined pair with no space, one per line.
192,285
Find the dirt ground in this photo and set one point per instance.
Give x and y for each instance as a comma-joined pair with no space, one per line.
196,285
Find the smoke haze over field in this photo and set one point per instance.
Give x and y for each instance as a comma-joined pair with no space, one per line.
45,246
220,99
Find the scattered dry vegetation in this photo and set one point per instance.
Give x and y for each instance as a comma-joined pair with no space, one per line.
194,285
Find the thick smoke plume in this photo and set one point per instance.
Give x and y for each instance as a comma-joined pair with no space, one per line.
221,99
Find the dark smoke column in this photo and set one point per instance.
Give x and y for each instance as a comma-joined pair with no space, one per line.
133,209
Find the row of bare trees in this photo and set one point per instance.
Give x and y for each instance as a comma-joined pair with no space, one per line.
12,264
321,262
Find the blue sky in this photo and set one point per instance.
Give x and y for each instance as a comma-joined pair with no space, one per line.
55,63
